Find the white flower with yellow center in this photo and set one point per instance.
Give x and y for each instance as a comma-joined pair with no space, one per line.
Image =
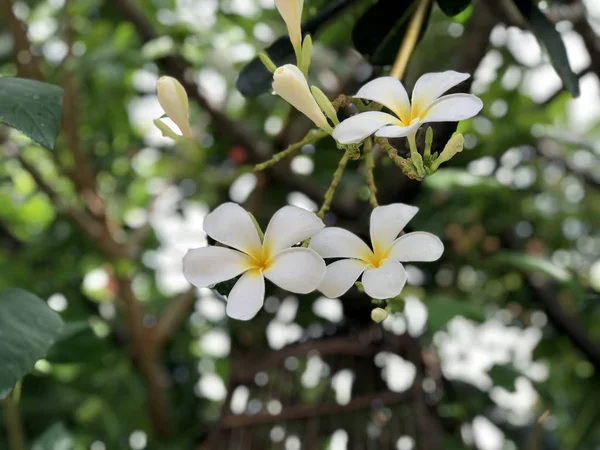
428,105
383,275
298,270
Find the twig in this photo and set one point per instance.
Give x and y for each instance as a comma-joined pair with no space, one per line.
337,176
370,163
311,136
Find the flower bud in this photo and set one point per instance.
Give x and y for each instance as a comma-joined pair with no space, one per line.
291,12
306,55
454,146
173,99
325,104
379,315
291,85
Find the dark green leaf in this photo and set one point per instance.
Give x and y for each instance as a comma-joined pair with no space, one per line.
31,107
378,34
453,7
255,79
545,32
28,328
56,437
442,309
77,343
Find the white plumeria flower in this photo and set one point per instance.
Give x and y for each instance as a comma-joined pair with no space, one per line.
174,101
383,275
291,12
298,270
428,105
290,84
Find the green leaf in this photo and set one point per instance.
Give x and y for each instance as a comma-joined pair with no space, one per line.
57,437
77,343
545,32
442,309
28,328
531,263
378,34
31,107
255,79
453,7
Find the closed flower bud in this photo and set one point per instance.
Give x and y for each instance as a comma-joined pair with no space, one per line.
174,100
291,85
454,146
291,12
379,315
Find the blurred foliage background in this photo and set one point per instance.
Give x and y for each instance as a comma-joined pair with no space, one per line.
495,346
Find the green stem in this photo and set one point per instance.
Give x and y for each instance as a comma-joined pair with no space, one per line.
337,176
415,156
368,151
311,137
13,422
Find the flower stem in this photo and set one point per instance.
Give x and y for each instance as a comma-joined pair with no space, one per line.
410,40
311,136
337,176
368,151
13,422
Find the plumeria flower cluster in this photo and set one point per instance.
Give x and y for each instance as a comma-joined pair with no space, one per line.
244,251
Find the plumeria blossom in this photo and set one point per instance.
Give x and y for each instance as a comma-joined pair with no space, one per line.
174,101
428,105
290,84
383,275
298,270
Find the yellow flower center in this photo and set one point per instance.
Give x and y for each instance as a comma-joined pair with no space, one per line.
261,259
377,257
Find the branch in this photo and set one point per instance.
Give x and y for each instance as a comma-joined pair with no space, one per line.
324,409
172,317
27,61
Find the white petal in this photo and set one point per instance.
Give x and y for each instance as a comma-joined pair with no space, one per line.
389,92
388,221
430,86
206,266
417,246
247,296
361,126
395,131
336,242
291,225
453,108
298,270
231,225
385,281
340,277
